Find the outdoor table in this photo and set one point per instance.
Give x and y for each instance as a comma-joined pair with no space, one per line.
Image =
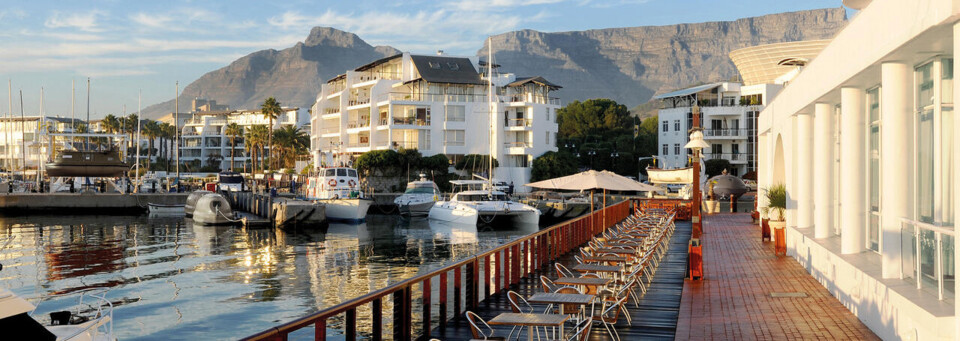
557,298
530,321
582,281
633,244
597,268
618,251
603,259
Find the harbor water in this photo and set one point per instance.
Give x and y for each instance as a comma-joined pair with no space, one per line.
171,280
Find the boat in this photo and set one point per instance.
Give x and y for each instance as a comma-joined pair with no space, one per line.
228,181
165,210
338,188
419,197
191,204
88,164
213,209
478,204
90,320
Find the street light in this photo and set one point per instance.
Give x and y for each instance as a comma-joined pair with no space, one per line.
591,153
696,144
613,160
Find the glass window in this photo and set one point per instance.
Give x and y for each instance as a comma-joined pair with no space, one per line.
946,83
330,172
456,113
341,172
666,126
946,165
925,166
453,137
676,125
666,150
676,148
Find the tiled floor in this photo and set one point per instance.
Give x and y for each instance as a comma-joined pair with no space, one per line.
734,301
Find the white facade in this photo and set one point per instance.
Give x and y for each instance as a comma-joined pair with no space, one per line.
436,104
14,130
204,134
728,113
864,140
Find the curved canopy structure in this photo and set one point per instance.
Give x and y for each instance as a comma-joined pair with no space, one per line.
763,64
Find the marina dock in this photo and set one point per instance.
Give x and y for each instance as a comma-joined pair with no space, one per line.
105,203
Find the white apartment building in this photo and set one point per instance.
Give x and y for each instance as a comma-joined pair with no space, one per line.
204,135
14,130
728,115
864,138
436,104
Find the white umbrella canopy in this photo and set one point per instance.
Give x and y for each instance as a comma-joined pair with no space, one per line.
592,179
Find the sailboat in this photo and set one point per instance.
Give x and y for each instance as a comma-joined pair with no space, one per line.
478,201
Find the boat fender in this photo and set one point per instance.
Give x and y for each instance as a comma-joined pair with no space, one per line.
352,183
332,183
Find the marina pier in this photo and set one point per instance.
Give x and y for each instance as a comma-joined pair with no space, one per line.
103,203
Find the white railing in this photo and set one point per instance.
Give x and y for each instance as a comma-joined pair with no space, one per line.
925,248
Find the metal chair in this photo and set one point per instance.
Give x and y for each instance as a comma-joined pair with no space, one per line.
519,305
563,271
609,315
484,333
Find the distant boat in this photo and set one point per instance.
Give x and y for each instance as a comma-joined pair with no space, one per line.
228,181
339,189
88,164
418,198
165,210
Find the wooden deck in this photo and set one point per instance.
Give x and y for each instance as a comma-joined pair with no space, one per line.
655,319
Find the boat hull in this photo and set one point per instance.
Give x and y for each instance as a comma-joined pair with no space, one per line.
416,209
346,210
453,213
157,209
93,171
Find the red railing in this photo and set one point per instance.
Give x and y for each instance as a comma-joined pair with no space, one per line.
521,257
681,206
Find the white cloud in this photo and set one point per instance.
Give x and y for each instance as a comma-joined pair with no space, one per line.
152,20
83,21
491,5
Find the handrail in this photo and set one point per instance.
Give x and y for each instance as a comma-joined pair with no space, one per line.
939,232
552,240
928,226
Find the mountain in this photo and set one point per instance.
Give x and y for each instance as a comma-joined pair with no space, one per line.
293,75
632,64
628,64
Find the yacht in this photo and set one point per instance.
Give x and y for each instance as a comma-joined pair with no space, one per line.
477,205
90,320
88,164
419,197
229,181
338,188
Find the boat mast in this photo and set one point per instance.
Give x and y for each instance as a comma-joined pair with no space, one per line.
36,139
176,133
9,151
493,114
137,143
86,144
23,141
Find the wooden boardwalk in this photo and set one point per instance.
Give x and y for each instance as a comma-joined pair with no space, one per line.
655,319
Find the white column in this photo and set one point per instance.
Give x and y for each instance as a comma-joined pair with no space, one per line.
764,168
823,221
956,165
896,159
853,170
804,167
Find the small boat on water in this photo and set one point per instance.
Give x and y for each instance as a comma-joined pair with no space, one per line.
88,164
213,209
165,210
482,206
191,204
338,188
419,197
90,320
228,181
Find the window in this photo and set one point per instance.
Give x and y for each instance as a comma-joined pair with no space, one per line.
453,137
873,227
926,142
453,66
666,149
424,140
676,125
455,113
434,65
716,149
676,148
666,126
548,138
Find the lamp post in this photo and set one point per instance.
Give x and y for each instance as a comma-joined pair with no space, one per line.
592,153
696,144
613,160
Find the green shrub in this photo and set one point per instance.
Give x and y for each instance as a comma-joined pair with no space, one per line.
777,198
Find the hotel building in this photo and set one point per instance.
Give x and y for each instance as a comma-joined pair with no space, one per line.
436,104
14,131
863,139
204,135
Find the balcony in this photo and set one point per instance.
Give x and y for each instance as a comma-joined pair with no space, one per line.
518,122
734,158
358,101
372,76
411,121
429,97
725,133
530,98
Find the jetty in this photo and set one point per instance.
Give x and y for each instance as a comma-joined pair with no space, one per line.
85,202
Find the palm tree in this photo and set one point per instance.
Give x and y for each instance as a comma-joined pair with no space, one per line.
271,110
290,142
167,131
151,130
233,130
254,141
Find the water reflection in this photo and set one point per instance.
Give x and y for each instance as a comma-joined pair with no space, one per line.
171,279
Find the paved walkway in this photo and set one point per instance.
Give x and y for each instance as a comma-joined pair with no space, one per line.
734,300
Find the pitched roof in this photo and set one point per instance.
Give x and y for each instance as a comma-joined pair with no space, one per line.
538,80
378,62
688,91
441,69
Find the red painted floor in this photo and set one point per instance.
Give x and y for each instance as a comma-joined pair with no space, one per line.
733,301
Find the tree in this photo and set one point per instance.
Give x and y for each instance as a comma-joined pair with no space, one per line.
475,162
151,131
271,110
378,162
233,130
593,117
714,167
290,142
553,165
254,140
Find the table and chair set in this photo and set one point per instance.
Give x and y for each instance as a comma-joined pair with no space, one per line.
614,267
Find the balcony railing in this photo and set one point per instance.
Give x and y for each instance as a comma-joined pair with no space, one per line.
359,123
454,143
726,156
405,144
358,101
927,256
530,99
430,97
738,133
372,76
411,121
517,144
518,122
329,130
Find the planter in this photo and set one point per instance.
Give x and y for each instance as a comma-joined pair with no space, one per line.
765,230
779,237
710,205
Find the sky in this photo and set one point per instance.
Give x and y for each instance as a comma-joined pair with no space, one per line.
131,47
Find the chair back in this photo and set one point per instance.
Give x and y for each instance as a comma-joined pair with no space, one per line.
518,303
569,308
548,285
611,313
563,271
581,332
475,323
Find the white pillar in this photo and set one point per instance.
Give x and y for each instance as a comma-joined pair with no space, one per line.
853,170
804,167
956,165
824,170
764,168
896,153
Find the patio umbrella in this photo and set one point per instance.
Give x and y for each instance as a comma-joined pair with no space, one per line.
592,180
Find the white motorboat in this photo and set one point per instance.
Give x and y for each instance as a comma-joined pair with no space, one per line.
165,210
192,202
213,209
419,197
228,181
90,320
338,188
482,206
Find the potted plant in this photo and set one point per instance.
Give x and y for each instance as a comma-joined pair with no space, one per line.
764,223
777,203
711,203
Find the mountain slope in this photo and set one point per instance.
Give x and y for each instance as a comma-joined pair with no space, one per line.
292,75
631,64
